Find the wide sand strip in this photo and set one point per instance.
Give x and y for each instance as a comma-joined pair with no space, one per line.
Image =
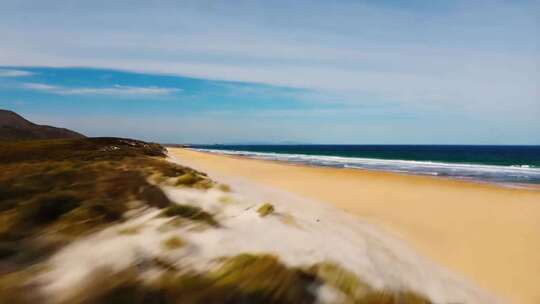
490,234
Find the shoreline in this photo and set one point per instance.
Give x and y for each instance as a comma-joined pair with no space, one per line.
485,232
521,186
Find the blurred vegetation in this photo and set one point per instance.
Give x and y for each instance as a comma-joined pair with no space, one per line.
133,230
341,279
265,209
53,191
174,242
194,180
190,212
224,188
244,278
400,297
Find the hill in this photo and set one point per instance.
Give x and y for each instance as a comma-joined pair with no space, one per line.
15,127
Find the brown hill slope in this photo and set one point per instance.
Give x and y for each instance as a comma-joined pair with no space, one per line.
15,127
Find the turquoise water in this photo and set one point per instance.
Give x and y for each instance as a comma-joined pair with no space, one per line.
500,164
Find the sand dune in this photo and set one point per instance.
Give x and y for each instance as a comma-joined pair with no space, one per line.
489,234
300,232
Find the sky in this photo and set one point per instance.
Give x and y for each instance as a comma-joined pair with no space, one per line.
329,72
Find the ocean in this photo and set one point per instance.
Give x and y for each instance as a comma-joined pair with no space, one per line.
511,165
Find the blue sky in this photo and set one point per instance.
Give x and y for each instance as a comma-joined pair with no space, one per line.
389,72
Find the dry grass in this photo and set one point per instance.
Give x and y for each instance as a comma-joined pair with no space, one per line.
195,180
187,179
133,230
18,287
226,200
245,278
240,279
265,209
63,189
190,212
224,188
388,297
288,219
173,243
341,279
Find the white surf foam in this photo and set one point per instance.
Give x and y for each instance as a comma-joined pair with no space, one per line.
489,173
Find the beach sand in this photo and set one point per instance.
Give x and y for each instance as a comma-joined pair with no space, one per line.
488,234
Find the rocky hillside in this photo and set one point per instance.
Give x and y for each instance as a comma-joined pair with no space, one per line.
15,127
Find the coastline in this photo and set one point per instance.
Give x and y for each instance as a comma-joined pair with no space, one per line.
510,185
489,234
511,176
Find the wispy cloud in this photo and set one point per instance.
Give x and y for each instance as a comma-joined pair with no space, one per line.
473,61
14,73
116,90
488,54
39,86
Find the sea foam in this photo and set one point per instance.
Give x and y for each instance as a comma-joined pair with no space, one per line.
510,175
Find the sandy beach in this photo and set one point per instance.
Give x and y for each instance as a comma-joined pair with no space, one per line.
486,233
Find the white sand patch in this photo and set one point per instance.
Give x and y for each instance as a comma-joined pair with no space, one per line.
108,249
301,232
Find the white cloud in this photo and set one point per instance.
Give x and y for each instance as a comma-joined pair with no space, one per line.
464,56
14,73
120,90
116,90
39,86
473,59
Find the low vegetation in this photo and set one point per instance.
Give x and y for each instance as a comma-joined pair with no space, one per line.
173,242
288,219
226,200
245,278
53,191
265,209
194,180
133,230
190,212
341,279
187,179
400,297
224,188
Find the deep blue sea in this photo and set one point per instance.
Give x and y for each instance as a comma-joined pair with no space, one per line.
499,164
